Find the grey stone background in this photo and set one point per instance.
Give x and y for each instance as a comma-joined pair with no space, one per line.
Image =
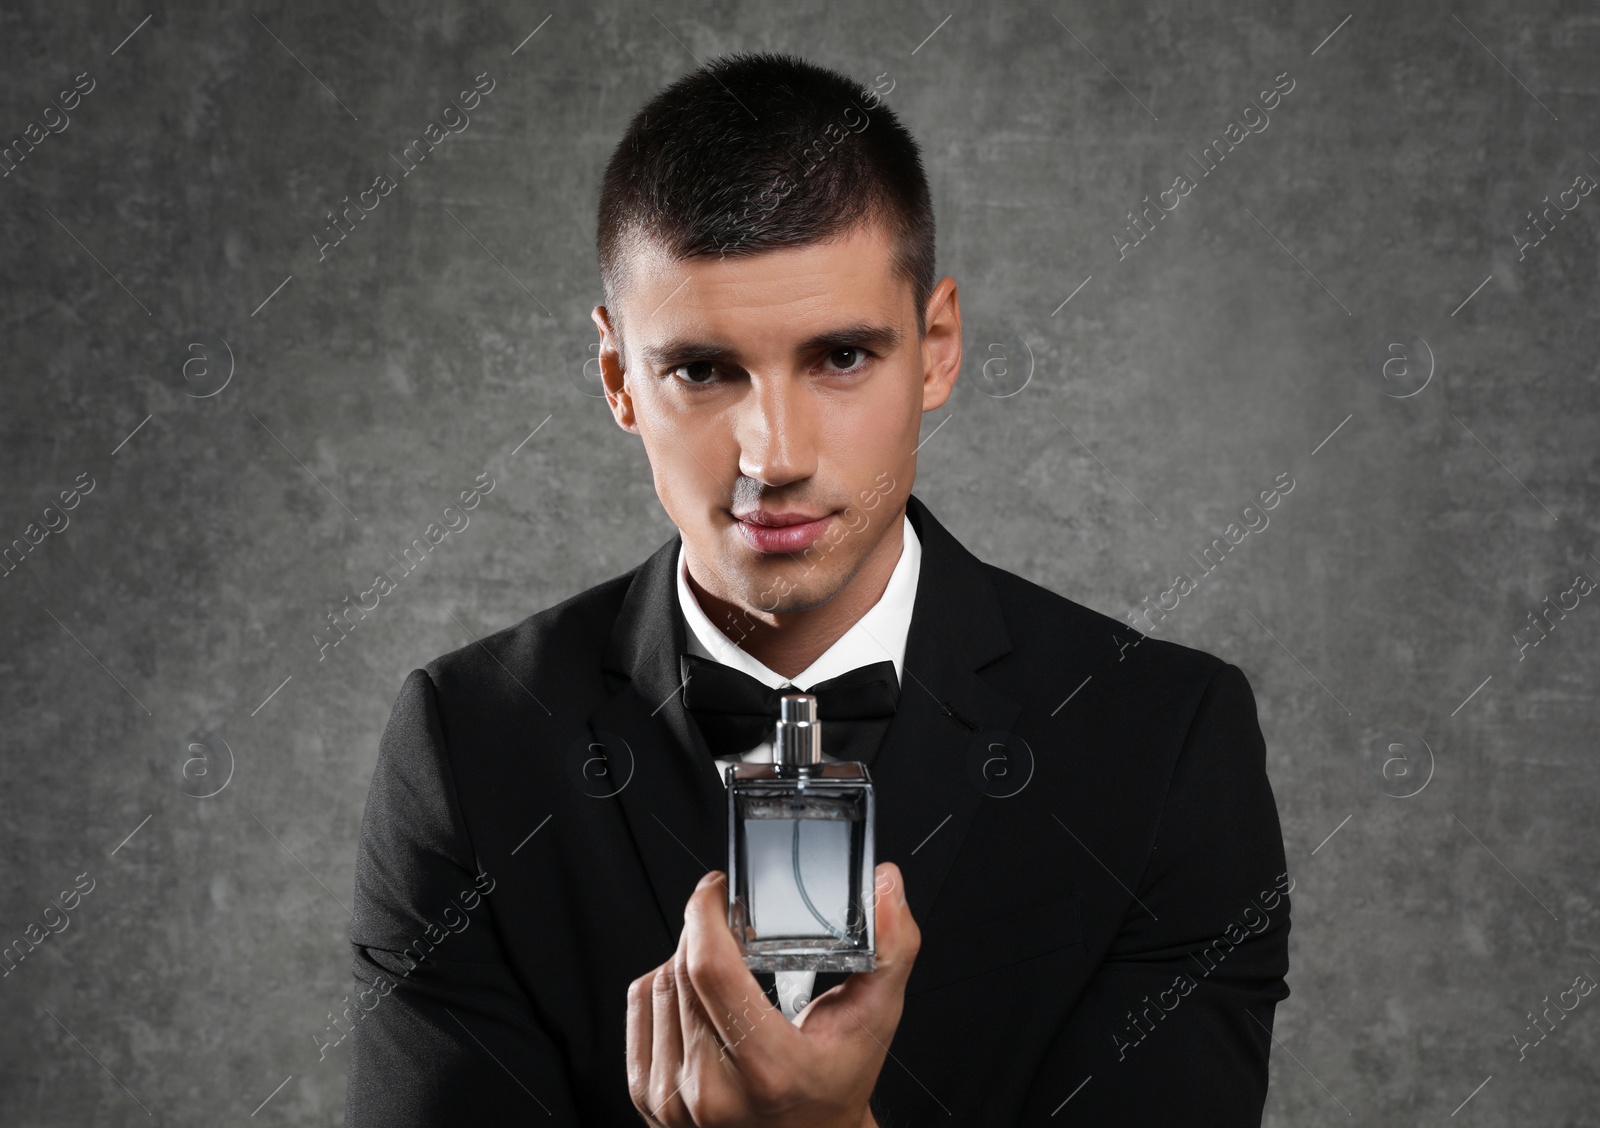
165,642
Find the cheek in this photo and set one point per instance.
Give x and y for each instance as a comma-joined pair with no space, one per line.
882,426
681,465
691,514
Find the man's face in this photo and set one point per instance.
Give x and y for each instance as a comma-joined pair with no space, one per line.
782,386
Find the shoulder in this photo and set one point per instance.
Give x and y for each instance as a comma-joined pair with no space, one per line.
1172,729
550,647
1136,691
1047,628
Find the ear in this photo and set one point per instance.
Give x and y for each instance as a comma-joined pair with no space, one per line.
941,344
613,373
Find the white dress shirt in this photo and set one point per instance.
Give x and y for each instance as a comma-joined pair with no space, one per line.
878,634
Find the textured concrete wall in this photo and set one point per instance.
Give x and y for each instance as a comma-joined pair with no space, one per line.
255,427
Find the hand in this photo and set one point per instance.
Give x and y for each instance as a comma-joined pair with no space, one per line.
706,1047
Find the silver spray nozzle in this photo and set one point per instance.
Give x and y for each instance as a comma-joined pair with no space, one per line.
798,742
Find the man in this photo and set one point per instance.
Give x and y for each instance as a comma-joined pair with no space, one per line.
1081,904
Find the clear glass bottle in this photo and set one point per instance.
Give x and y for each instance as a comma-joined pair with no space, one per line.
801,853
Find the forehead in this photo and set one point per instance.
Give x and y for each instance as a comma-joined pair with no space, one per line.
773,296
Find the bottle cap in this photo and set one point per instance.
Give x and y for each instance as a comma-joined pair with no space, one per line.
798,742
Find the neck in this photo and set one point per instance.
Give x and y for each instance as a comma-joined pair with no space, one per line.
787,642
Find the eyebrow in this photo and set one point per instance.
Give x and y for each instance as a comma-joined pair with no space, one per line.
877,338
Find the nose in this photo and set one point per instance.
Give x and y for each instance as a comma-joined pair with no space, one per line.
776,430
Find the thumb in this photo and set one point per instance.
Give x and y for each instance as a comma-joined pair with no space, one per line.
897,943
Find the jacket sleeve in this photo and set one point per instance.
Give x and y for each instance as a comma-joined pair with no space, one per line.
443,1032
1175,1026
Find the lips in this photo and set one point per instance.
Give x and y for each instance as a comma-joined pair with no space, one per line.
777,520
773,532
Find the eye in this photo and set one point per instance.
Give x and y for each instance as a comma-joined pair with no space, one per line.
849,352
696,373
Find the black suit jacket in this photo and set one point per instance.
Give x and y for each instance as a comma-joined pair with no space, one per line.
1082,815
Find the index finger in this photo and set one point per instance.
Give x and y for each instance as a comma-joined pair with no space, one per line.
728,993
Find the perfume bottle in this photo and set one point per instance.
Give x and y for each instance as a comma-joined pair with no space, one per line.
801,853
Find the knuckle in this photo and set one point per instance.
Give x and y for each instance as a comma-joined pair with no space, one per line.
768,1087
705,1104
663,1093
699,966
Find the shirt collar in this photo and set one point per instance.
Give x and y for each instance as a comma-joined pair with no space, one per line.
878,634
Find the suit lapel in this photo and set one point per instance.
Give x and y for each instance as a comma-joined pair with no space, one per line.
675,801
922,775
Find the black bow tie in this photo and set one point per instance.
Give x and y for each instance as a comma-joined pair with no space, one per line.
736,712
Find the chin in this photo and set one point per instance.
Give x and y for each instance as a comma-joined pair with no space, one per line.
812,592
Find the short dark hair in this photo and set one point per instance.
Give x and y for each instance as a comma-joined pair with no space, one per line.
703,167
